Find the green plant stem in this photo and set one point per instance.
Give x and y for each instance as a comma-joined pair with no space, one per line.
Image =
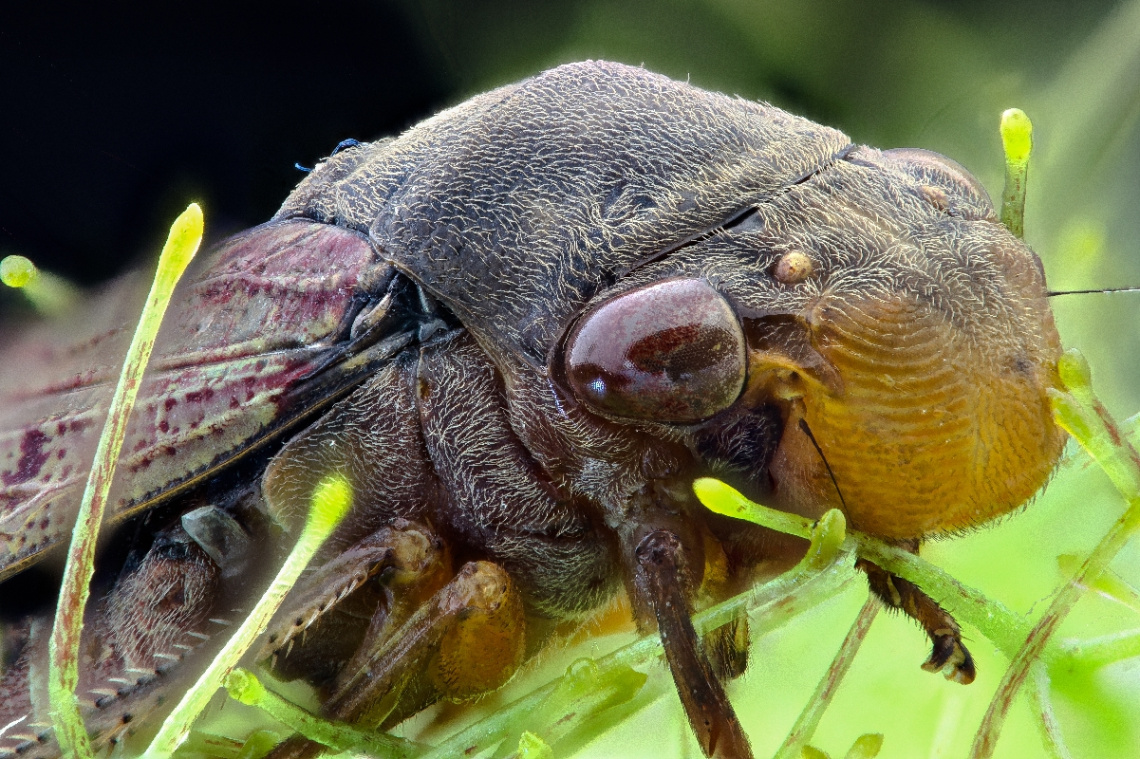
258,744
1003,627
52,295
585,692
64,649
331,501
1033,650
1107,649
1109,585
1017,139
805,726
770,605
1042,705
244,686
533,747
1079,412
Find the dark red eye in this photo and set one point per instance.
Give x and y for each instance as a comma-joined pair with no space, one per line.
670,352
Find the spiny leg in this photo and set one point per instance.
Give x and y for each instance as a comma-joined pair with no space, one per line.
382,578
949,655
467,639
136,644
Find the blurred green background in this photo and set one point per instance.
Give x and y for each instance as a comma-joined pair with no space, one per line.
98,157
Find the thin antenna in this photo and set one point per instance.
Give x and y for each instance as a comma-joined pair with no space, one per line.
831,474
1054,293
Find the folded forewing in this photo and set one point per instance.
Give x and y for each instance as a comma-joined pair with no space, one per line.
266,312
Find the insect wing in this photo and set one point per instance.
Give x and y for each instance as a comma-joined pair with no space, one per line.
267,315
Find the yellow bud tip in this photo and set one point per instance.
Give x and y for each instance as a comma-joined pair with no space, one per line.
712,493
1074,370
331,500
866,746
1016,136
183,241
533,747
17,271
717,497
244,686
189,223
827,538
832,528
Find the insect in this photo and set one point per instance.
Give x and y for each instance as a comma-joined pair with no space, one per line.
521,329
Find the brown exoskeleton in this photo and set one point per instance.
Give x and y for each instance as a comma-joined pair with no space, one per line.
521,330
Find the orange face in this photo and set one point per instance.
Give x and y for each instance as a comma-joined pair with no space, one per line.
910,352
924,432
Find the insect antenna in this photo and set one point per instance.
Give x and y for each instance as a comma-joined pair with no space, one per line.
831,474
342,145
1054,293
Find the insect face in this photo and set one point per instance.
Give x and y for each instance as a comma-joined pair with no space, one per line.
908,353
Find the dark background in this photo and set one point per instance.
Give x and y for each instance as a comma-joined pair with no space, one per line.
114,121
113,118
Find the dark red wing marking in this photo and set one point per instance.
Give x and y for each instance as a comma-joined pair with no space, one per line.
263,313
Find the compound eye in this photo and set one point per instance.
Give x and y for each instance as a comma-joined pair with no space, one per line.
936,171
670,352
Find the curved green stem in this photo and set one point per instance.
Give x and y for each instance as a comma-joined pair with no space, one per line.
63,669
808,721
1082,415
243,686
1002,626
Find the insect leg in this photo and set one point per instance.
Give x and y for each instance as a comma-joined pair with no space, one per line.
357,598
469,638
134,645
727,648
949,654
658,581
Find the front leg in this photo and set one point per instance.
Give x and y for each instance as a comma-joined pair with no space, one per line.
949,655
433,459
341,610
659,581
